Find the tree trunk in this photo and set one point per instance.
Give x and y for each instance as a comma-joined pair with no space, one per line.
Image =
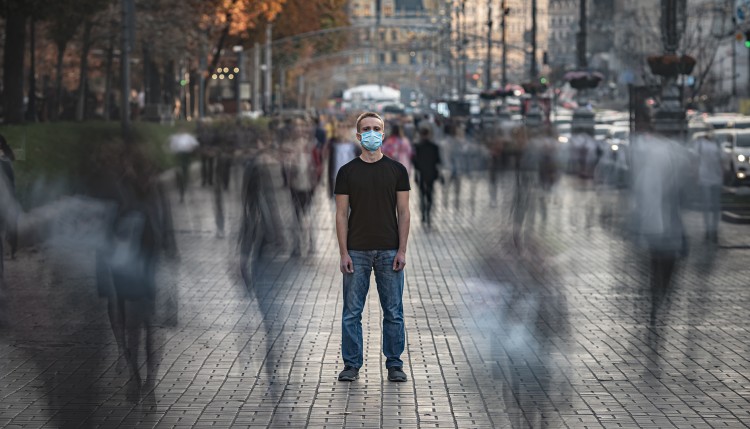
108,77
192,106
168,83
15,46
217,52
58,81
151,78
31,112
83,72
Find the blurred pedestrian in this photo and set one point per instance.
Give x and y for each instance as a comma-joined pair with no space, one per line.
7,220
710,178
8,228
426,162
658,164
301,177
182,145
372,227
398,148
548,172
126,264
207,136
319,149
343,150
452,154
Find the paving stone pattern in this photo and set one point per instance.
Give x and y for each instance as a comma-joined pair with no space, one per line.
548,330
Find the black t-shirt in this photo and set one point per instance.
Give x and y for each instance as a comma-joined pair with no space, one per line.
372,189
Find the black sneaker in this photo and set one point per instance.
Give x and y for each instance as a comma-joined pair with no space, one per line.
349,373
395,373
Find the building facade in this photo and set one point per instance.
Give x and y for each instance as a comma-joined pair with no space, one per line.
471,16
563,28
398,43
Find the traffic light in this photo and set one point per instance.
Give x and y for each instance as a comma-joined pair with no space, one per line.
747,39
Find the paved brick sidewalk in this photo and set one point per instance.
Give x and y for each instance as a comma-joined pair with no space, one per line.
551,331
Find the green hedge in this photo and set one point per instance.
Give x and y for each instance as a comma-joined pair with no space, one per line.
58,153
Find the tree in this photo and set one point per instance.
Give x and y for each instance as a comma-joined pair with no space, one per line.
15,14
223,19
707,25
63,23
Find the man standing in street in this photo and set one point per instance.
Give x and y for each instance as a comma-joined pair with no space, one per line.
372,227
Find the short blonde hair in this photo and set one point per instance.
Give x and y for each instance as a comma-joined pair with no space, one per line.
369,115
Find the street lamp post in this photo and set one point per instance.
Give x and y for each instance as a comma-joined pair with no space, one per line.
128,36
256,77
488,69
583,121
505,13
534,68
240,72
670,118
268,69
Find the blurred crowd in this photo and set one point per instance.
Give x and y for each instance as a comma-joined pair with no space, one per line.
125,217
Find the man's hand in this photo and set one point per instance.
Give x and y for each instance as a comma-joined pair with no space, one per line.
399,262
346,265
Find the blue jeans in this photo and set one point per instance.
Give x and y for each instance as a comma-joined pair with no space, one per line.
390,288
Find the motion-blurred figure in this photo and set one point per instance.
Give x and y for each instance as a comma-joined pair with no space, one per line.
301,177
182,145
207,136
527,175
548,166
583,154
658,164
397,147
426,162
7,228
126,265
456,154
7,223
343,149
710,179
260,214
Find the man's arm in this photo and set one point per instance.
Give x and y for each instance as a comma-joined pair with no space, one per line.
402,208
342,219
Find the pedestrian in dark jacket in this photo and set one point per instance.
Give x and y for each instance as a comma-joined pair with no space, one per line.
426,161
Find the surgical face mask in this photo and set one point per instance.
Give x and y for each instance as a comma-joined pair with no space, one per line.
372,140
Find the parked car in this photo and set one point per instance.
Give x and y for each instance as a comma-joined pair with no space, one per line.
735,148
720,121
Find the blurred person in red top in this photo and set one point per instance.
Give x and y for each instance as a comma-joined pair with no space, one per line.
398,148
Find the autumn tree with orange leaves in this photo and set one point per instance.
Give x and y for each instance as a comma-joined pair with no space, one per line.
171,38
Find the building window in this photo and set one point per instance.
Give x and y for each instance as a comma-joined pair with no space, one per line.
382,58
394,57
394,35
